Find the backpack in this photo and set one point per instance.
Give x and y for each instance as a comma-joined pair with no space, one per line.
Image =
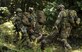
41,17
71,16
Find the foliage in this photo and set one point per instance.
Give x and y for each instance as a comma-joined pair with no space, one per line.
4,11
4,14
50,12
79,4
48,6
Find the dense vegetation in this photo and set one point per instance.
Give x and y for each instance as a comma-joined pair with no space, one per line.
7,9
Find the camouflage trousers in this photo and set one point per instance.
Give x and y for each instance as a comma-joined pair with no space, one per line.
64,33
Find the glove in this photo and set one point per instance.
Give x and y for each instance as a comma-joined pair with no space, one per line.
55,27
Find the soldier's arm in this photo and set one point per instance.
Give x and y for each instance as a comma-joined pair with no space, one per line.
34,20
59,18
13,19
77,19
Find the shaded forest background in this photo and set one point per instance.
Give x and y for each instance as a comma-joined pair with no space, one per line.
48,6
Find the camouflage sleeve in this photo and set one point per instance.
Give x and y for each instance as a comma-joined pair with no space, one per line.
75,14
34,20
77,19
59,18
34,23
13,19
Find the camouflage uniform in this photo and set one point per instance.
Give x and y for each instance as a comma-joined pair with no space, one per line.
41,20
29,22
40,24
18,22
65,22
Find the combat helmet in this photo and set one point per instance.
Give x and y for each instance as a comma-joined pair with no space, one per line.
18,10
60,6
30,9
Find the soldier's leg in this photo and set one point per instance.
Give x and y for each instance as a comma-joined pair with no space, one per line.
16,38
43,45
64,35
66,44
31,34
24,32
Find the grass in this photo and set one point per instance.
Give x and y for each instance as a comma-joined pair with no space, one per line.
6,29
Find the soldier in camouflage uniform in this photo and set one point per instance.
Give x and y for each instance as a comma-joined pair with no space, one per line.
66,20
40,26
29,21
41,21
17,21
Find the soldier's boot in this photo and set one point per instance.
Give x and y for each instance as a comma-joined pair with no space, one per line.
65,43
67,46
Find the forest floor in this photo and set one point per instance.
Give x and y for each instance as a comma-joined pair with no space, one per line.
7,29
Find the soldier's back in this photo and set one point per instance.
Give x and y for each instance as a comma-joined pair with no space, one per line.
68,16
41,17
